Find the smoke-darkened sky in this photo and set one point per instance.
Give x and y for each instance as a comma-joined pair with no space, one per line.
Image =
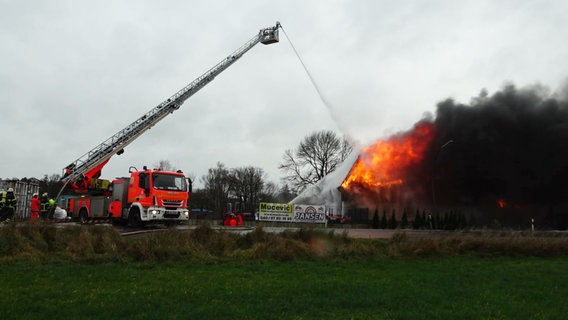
73,73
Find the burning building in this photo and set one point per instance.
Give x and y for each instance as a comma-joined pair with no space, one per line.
501,158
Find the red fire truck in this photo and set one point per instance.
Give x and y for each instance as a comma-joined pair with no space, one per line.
148,195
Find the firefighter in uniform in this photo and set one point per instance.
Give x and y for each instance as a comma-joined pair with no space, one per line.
44,206
2,204
34,207
51,203
11,202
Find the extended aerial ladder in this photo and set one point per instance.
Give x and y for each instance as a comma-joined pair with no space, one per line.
89,165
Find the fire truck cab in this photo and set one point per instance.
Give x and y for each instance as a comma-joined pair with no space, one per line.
149,195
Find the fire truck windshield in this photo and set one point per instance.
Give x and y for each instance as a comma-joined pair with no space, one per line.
163,181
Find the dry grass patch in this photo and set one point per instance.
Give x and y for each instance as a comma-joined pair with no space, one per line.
45,242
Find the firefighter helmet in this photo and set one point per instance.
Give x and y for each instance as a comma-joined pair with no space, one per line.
10,189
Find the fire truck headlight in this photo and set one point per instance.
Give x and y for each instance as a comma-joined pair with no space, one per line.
186,213
154,212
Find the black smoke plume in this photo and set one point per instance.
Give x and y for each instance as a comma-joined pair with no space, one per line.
510,147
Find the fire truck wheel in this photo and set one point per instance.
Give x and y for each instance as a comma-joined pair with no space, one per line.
134,218
83,216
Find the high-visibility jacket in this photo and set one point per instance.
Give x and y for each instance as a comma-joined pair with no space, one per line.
2,199
35,204
44,204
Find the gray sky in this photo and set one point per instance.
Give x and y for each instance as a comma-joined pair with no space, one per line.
73,73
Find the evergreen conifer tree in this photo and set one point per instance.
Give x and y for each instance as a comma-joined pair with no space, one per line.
376,219
384,222
393,223
417,223
404,220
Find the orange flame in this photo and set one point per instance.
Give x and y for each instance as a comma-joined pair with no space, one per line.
382,164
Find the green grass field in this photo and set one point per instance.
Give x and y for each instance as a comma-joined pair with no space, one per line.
463,287
93,273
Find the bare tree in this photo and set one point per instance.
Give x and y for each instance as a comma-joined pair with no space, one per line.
246,185
217,185
165,165
284,195
317,155
269,193
51,184
191,176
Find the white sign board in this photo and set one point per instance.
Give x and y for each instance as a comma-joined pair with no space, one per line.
309,213
288,212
